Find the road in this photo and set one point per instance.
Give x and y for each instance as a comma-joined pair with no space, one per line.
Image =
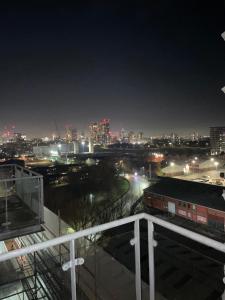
137,185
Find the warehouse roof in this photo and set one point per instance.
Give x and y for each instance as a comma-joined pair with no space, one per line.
189,191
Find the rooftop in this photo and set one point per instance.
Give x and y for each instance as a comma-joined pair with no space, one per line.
189,191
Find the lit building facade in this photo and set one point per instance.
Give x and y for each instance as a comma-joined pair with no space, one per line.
217,140
104,130
71,134
93,132
100,132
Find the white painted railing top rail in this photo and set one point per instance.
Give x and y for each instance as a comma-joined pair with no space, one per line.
19,173
136,242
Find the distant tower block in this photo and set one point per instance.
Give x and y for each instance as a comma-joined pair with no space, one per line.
71,134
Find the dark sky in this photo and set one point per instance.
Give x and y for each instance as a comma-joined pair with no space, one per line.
156,66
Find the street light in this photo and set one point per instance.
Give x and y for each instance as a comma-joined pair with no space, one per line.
187,168
54,153
83,143
172,164
216,164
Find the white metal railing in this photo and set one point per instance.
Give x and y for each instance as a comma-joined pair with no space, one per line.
151,220
26,185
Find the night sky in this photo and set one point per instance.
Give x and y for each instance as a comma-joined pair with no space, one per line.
156,66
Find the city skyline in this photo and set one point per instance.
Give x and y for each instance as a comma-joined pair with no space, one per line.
67,131
114,129
151,67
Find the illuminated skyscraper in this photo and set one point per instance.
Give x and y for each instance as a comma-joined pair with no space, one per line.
104,130
71,134
93,132
100,132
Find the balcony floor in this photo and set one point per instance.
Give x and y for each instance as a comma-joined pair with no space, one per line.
20,220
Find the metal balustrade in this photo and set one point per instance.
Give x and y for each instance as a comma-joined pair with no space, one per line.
21,201
74,261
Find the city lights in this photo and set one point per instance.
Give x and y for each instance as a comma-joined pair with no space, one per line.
112,150
54,153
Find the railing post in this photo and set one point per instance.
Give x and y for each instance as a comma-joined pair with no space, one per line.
151,267
6,204
73,270
137,259
41,198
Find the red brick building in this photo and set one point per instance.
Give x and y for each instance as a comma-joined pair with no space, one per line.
198,202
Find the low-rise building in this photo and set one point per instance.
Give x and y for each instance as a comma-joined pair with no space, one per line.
198,202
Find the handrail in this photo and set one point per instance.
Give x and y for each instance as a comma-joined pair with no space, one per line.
93,230
69,237
76,261
187,233
20,178
15,166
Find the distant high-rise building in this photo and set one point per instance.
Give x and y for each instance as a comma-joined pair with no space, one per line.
104,128
18,137
93,132
217,139
100,132
122,134
131,136
195,136
8,133
140,135
71,134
